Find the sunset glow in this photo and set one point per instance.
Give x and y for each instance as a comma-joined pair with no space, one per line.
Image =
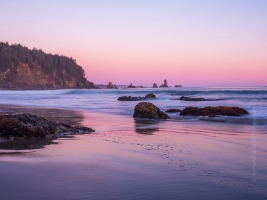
192,43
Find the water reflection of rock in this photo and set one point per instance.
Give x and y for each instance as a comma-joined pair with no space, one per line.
7,144
146,126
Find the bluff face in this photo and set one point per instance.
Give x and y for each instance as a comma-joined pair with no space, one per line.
25,69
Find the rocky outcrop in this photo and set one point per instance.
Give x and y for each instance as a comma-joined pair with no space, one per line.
178,86
173,110
151,95
154,85
110,86
149,110
130,98
165,84
25,69
131,86
23,126
183,98
213,111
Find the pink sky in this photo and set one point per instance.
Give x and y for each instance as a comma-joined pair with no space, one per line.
194,43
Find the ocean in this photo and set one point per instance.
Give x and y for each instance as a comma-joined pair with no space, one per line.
125,158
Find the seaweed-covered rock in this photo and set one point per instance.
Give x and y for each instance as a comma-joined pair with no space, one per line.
183,98
19,126
214,111
173,110
151,95
149,110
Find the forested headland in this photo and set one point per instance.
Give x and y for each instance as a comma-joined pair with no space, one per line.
24,69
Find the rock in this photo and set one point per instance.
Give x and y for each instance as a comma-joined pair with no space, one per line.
183,98
131,86
155,85
149,110
178,86
173,110
21,126
129,98
115,86
164,84
110,86
214,111
151,95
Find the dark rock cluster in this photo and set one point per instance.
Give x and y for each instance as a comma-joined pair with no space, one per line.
22,126
149,110
183,98
130,98
214,111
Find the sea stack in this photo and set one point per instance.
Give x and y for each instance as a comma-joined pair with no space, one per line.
154,85
131,86
110,85
165,84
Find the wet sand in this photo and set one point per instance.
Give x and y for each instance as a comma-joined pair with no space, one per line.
141,159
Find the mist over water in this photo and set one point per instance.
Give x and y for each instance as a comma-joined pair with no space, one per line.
253,99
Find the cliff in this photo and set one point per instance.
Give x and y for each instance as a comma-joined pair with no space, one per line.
25,69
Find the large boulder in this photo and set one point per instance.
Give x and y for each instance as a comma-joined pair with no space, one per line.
149,110
21,126
151,95
214,111
183,98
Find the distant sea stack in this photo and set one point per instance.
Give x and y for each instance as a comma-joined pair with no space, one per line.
165,84
178,86
111,86
131,86
154,85
25,69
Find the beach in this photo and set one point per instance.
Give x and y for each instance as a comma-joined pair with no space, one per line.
127,158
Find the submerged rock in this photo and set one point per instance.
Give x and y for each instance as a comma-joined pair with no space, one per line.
151,95
149,110
214,111
173,110
183,98
20,126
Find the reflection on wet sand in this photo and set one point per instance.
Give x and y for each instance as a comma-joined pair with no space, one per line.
146,126
34,143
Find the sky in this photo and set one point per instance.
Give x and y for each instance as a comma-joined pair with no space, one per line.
188,42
